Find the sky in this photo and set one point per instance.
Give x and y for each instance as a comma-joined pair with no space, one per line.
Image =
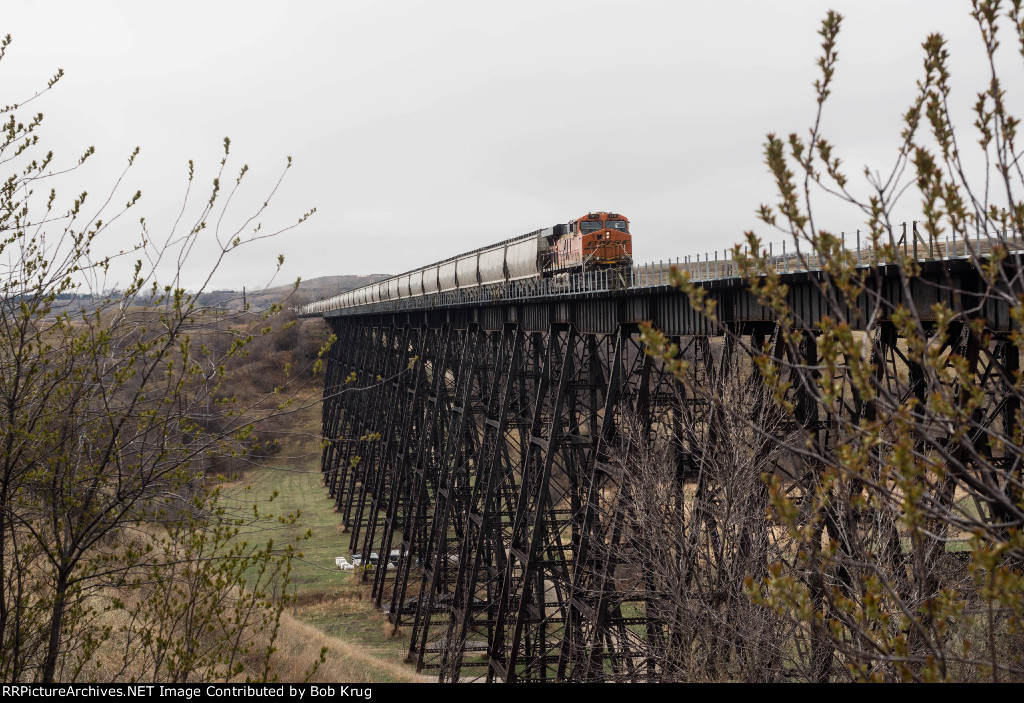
419,130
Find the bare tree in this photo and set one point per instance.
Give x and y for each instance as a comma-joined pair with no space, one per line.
694,531
902,503
111,409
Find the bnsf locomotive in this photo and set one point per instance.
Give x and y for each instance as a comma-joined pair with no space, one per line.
595,241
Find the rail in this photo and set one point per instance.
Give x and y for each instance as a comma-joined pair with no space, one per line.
713,266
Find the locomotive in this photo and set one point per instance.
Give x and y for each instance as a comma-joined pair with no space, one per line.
598,240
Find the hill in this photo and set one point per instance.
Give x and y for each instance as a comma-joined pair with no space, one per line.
308,291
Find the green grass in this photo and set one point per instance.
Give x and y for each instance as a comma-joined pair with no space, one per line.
300,492
334,601
359,623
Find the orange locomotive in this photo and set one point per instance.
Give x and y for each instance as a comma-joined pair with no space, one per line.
596,240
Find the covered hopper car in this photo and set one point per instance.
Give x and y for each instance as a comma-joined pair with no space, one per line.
595,241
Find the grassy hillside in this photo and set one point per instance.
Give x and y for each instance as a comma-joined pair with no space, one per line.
332,607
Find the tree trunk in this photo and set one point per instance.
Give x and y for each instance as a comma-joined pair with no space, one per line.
56,624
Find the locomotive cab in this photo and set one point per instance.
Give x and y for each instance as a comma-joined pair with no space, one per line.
596,240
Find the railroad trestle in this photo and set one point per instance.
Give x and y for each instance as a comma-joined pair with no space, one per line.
483,446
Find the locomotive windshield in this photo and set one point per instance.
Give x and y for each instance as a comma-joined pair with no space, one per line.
616,224
587,226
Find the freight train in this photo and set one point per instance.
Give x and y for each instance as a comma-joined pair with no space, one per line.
597,240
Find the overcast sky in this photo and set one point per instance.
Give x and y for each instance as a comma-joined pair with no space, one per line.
423,129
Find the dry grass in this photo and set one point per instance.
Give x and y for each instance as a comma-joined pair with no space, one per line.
300,642
298,647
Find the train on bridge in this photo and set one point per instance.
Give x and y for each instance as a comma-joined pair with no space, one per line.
598,240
